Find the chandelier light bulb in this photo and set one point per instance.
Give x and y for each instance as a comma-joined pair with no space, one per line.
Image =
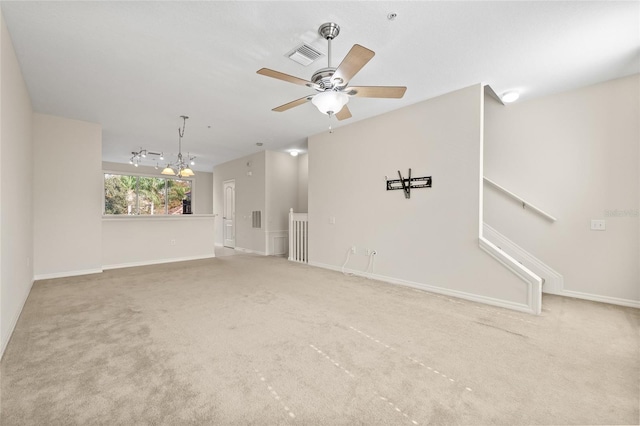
168,171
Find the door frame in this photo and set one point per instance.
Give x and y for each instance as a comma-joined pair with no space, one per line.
225,219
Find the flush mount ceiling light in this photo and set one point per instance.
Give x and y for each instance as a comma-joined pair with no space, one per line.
181,165
511,96
294,152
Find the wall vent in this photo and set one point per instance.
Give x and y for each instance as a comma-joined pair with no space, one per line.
256,219
304,54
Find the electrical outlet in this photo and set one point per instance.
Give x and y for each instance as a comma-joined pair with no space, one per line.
598,225
172,242
332,220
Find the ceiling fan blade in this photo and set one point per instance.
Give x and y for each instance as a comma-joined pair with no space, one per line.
344,113
357,58
293,104
376,91
284,77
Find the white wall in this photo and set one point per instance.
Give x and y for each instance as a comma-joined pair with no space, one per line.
303,184
132,241
576,156
249,175
68,187
281,195
203,193
16,189
430,240
202,183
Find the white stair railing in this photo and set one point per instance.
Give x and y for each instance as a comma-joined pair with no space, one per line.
298,237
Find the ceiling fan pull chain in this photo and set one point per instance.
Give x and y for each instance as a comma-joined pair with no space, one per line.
330,128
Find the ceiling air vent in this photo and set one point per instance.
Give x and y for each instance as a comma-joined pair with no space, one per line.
304,54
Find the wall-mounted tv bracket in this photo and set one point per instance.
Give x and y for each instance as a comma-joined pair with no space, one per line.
407,183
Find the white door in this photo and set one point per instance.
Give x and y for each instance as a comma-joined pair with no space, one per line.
229,215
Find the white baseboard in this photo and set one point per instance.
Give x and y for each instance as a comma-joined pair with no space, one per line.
603,299
157,261
533,282
66,274
553,281
249,251
14,321
521,307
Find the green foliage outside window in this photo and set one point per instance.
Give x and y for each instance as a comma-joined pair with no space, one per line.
142,195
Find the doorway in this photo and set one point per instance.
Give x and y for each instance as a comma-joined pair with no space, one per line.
229,215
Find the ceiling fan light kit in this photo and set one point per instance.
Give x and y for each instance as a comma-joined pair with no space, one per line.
332,83
330,102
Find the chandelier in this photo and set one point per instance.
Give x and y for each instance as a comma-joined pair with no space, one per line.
181,165
138,156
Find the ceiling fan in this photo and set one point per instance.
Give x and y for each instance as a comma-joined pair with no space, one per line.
332,83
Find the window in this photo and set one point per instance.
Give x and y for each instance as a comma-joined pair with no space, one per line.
144,195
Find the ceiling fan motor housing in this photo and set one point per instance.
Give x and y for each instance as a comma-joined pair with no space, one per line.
322,78
329,30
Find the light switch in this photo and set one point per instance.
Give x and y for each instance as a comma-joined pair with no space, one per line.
332,220
598,225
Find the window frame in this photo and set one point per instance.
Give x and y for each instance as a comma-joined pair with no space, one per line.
192,183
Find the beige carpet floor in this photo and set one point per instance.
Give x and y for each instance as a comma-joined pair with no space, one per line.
249,340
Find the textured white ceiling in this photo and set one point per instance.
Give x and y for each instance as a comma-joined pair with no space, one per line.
135,67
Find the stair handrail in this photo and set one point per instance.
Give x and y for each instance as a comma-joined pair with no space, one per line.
521,200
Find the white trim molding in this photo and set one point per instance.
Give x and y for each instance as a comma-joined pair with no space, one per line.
125,217
67,274
433,289
553,282
157,261
249,251
14,321
277,242
534,282
602,299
